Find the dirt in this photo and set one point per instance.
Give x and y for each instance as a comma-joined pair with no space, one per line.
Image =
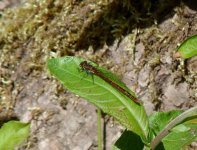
138,48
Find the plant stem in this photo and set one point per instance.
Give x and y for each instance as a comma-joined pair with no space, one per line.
99,130
174,122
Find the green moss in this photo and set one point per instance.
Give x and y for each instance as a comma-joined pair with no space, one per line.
36,30
62,26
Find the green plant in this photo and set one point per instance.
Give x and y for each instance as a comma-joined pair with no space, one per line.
163,128
12,134
188,48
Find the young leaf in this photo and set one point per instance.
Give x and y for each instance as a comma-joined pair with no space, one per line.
100,93
12,134
181,130
177,139
188,48
128,141
159,120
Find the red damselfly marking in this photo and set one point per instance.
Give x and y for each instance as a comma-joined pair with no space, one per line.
92,70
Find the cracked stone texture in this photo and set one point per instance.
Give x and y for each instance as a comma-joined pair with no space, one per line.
61,120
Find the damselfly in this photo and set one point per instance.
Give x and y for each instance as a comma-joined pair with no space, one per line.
93,70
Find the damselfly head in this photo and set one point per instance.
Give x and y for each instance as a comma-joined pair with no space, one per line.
83,63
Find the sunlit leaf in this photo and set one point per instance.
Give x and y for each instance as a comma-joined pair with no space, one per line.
159,120
177,139
100,93
12,134
179,136
188,48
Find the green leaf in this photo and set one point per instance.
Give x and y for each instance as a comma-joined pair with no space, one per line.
189,47
100,93
12,134
177,139
159,120
128,141
181,135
